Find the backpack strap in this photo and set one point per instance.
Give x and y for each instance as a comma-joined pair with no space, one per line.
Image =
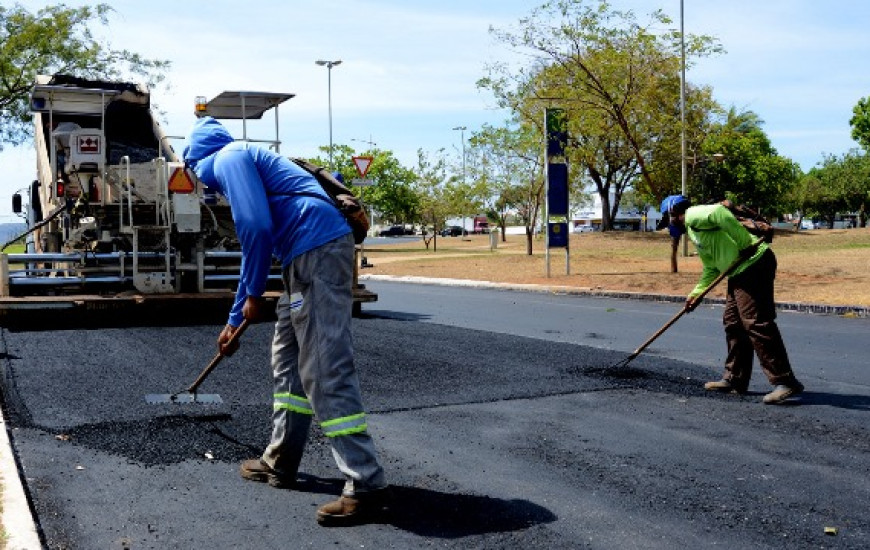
305,194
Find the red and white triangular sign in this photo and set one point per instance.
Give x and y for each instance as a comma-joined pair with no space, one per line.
362,165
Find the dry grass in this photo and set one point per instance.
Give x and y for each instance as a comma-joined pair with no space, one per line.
822,266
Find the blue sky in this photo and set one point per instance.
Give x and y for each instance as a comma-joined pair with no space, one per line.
409,68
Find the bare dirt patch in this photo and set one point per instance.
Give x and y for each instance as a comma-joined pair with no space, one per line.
821,266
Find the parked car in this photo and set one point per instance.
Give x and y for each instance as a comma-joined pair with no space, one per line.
453,231
584,229
393,231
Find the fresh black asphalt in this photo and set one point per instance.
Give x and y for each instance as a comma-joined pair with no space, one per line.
490,441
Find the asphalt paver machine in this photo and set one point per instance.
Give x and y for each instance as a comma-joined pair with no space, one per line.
115,223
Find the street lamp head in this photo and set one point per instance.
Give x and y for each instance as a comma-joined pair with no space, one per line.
329,64
460,128
717,158
372,143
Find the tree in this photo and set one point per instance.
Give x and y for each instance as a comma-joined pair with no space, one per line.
860,123
502,159
753,173
392,197
430,186
819,197
839,185
464,198
616,78
665,166
515,161
57,39
854,183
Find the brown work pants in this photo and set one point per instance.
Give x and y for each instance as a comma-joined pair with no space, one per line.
750,326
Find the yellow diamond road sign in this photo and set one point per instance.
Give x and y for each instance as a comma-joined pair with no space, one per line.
362,165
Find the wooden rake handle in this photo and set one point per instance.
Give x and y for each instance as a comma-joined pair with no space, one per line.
217,358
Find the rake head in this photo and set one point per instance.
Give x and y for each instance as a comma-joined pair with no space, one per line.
183,398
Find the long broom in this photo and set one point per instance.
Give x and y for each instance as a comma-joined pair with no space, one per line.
740,259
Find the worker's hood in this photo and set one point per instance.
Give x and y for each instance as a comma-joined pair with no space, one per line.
207,137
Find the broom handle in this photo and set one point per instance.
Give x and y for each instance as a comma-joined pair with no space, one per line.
699,297
217,358
658,333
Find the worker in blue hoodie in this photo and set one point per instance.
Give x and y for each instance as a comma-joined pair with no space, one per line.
279,208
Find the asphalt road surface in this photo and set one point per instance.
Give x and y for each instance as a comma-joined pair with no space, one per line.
492,436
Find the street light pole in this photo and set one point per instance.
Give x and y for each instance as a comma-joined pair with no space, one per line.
329,65
683,120
462,137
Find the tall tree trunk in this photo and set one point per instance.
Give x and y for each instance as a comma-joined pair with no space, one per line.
606,216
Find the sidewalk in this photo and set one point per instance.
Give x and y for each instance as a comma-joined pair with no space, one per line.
17,520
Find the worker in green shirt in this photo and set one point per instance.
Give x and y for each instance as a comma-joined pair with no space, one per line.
750,311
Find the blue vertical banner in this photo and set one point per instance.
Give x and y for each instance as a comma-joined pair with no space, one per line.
558,211
557,235
557,189
557,132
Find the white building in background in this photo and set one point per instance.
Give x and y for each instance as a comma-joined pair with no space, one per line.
627,219
585,219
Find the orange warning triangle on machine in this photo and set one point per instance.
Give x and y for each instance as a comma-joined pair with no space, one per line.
362,165
180,181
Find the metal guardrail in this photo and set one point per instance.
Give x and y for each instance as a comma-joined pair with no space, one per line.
111,268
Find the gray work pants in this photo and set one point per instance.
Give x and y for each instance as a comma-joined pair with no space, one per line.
313,368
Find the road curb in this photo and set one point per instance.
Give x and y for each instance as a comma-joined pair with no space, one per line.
17,518
797,307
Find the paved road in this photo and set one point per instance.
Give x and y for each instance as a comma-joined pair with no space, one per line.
493,436
826,350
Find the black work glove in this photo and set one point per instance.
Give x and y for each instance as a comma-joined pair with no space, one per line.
691,304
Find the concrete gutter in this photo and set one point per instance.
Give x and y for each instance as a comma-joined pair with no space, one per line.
819,309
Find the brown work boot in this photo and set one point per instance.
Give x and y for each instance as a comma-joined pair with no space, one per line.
724,386
782,392
360,508
256,470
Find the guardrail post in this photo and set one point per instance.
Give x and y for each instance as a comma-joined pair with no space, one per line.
4,275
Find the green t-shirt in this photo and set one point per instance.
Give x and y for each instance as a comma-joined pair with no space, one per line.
719,238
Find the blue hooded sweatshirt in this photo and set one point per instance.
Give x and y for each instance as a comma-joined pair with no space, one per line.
270,213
